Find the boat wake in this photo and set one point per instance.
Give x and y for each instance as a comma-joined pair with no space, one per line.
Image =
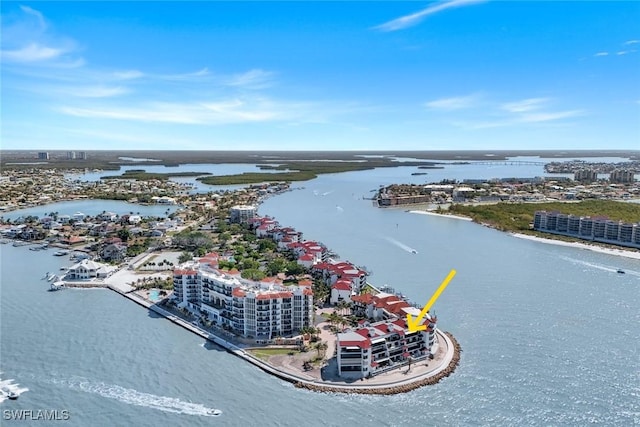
598,266
7,386
138,398
402,245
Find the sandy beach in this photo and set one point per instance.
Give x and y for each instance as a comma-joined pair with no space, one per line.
579,245
464,218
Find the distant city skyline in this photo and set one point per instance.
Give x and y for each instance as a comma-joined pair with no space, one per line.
458,75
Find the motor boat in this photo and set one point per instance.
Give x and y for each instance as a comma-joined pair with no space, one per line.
10,394
620,271
215,412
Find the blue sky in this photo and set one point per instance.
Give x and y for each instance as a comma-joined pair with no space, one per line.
459,74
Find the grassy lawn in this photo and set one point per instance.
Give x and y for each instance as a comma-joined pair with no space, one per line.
265,353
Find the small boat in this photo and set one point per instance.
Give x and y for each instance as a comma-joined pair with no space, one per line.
620,271
10,394
56,286
215,412
61,253
413,251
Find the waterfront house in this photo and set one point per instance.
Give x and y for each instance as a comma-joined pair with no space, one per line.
88,269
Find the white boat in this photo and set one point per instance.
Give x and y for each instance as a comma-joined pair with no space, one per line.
10,394
215,412
56,286
61,253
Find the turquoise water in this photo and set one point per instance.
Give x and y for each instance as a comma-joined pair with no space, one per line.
154,295
549,334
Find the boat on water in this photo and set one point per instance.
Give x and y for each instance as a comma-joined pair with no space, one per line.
620,271
56,286
413,251
215,412
10,394
61,253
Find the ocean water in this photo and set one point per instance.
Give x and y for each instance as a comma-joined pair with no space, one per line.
549,334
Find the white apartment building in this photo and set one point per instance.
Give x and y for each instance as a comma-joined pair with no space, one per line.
260,310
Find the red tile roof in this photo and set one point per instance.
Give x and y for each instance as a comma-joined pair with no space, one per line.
237,292
341,286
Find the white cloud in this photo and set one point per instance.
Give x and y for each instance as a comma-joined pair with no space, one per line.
453,103
628,42
33,52
98,91
37,14
601,54
254,79
415,18
128,75
517,113
227,111
524,105
538,117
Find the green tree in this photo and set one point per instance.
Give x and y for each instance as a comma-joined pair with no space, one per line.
266,245
253,274
293,268
185,256
276,266
124,234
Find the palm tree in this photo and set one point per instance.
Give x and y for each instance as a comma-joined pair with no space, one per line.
322,348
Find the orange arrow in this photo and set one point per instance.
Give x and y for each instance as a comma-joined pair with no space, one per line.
414,324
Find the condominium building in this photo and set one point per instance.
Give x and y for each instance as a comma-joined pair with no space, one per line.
378,347
262,310
585,175
599,229
242,213
622,176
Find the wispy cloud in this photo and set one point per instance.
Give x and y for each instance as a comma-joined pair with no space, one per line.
37,14
27,41
128,74
98,91
541,116
252,79
219,112
453,103
524,105
514,113
415,18
33,52
601,54
628,42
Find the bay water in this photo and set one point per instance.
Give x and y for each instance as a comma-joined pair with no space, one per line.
550,334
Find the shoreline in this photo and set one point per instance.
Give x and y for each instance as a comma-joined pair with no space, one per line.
463,218
451,359
627,253
580,245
